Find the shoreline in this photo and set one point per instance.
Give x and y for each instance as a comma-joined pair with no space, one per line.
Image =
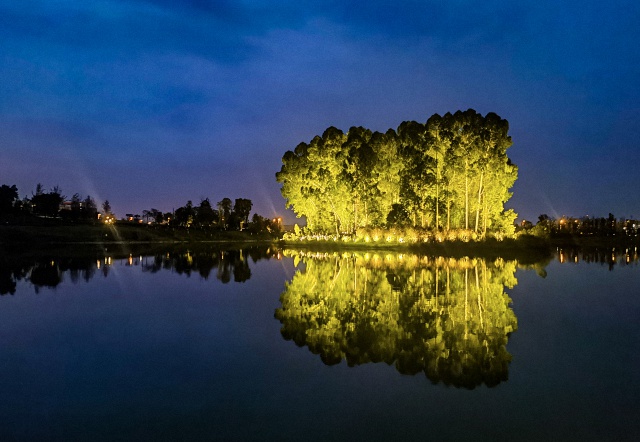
16,239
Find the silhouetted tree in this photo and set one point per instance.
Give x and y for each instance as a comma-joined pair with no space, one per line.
184,216
90,210
157,215
242,209
76,206
8,198
205,215
47,204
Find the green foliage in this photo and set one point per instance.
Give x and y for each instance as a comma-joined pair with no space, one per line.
451,172
398,216
449,319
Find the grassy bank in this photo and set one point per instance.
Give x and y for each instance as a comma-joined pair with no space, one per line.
12,237
141,238
525,250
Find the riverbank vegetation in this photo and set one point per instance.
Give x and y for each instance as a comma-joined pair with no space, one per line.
49,217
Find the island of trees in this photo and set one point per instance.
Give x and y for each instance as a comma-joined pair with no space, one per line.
450,174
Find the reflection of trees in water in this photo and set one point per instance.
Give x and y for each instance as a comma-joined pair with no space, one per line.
445,317
226,263
51,271
43,272
610,256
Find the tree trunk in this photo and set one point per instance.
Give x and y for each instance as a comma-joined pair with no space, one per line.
484,212
437,194
335,217
355,215
449,206
466,196
479,202
366,215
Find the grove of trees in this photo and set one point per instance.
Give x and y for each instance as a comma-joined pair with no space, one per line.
45,204
452,172
224,215
227,215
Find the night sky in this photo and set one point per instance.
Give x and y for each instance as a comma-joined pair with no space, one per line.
152,103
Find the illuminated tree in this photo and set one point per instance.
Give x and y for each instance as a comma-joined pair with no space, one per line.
313,183
417,180
358,172
451,172
387,171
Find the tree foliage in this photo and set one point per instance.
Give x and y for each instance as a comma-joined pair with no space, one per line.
452,172
47,204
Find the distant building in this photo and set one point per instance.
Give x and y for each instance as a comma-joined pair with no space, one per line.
68,205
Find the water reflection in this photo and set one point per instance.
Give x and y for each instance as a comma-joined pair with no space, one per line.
610,256
50,271
448,318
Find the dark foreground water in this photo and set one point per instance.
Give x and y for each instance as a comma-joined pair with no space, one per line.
246,345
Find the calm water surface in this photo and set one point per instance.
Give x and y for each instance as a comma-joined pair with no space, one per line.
264,345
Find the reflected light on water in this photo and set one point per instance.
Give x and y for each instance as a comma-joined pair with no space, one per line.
447,318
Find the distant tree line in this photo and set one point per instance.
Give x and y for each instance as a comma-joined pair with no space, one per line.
584,226
451,172
50,204
226,215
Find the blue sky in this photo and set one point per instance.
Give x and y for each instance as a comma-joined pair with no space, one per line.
153,103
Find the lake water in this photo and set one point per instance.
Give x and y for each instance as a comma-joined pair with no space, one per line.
273,345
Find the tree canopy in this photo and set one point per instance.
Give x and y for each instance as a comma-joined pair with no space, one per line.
451,172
